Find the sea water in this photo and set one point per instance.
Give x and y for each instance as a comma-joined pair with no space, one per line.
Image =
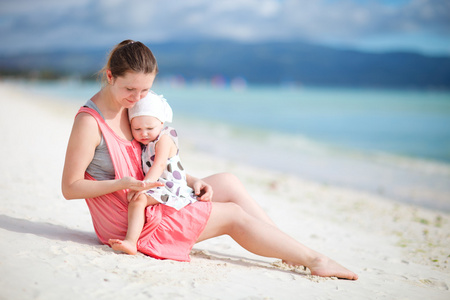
395,143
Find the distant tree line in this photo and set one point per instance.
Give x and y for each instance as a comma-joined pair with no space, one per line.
260,63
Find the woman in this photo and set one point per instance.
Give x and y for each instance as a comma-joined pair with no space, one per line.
103,163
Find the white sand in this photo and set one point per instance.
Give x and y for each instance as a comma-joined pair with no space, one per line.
48,249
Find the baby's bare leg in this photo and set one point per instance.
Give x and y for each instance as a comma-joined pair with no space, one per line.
136,219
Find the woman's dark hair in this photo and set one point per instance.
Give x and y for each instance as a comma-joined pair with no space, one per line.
129,56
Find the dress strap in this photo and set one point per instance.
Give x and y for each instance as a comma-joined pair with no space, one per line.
125,155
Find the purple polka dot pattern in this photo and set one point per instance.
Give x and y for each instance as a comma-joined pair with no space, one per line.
175,192
176,175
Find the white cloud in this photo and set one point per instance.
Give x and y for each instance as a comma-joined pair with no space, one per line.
29,24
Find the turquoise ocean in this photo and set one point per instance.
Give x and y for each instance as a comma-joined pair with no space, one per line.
394,143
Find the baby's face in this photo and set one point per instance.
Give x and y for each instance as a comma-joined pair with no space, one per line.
146,129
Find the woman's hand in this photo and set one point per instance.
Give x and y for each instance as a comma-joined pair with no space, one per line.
202,190
132,184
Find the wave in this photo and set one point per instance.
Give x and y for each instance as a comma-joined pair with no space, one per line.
407,179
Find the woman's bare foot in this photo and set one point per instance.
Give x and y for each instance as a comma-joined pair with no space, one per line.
325,267
124,246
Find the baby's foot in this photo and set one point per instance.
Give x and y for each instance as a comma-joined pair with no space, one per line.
326,267
124,246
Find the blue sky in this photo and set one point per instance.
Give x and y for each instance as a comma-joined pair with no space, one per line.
416,25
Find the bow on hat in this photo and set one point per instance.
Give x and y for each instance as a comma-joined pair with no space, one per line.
153,105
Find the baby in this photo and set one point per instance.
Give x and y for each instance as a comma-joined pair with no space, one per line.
160,163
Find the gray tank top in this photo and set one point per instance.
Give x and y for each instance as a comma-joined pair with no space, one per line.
101,166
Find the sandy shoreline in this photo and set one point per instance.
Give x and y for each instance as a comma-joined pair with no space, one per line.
49,249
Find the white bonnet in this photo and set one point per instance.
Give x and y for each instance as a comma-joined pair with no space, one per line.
153,105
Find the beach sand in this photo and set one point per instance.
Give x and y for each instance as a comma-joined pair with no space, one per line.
48,249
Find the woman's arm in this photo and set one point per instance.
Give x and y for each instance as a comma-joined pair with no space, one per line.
85,137
203,190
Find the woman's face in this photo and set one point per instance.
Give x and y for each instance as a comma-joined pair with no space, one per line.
130,88
146,129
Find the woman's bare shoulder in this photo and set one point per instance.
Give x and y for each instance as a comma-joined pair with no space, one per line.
85,119
85,126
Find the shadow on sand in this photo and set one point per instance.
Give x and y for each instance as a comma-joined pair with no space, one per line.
247,262
47,230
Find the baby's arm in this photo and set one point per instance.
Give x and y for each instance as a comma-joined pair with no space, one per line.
164,149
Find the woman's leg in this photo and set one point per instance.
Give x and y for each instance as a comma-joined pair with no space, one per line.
228,188
266,240
136,219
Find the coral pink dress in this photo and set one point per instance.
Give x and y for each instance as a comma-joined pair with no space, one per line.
167,233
